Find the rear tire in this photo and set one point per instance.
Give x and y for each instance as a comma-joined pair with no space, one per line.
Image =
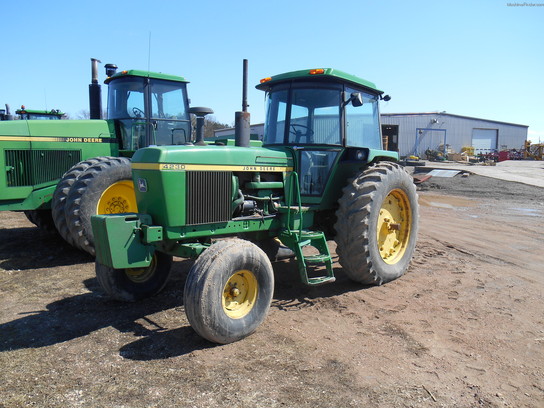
133,284
228,291
41,219
103,188
377,224
61,193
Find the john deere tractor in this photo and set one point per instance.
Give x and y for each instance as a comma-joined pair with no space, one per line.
34,114
62,172
320,173
25,114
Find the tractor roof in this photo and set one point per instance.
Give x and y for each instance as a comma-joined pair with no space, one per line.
319,74
53,112
146,74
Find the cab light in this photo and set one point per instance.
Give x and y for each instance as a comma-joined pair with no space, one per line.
124,72
266,80
317,71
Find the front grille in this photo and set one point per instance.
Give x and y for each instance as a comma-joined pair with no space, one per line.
209,196
33,167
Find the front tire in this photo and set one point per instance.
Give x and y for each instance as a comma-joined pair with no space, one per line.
133,284
377,224
228,291
103,188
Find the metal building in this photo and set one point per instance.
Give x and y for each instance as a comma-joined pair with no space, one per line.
414,133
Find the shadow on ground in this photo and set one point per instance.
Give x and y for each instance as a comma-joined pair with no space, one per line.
80,315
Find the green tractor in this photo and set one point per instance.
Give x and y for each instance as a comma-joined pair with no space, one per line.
34,114
25,114
320,173
62,172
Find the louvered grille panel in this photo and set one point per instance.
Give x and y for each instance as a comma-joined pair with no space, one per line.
33,167
209,196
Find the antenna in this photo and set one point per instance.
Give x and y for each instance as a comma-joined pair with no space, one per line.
149,54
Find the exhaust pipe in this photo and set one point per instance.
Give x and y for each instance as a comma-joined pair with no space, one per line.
95,92
242,119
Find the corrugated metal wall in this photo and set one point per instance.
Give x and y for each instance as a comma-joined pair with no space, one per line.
458,131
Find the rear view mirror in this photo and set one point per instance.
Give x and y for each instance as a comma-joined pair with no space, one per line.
356,99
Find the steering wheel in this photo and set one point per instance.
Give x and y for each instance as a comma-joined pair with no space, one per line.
138,113
298,134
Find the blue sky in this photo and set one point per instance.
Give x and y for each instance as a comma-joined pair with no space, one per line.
475,58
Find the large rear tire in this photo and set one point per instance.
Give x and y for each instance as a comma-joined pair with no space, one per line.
228,291
41,219
377,224
133,284
103,188
58,206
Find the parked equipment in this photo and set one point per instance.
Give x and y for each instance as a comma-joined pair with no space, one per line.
62,172
320,173
33,114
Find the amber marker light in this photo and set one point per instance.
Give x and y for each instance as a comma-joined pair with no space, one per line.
266,80
317,71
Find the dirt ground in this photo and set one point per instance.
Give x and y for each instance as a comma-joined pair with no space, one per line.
463,328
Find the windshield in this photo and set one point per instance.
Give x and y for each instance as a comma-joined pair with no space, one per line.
363,122
311,114
149,111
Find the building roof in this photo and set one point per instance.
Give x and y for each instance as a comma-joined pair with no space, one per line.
450,114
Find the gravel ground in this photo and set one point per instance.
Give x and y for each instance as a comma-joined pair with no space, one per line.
463,328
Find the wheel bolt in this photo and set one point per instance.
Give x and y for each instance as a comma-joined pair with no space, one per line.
235,292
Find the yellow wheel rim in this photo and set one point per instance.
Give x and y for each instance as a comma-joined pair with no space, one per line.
394,226
118,198
141,275
240,294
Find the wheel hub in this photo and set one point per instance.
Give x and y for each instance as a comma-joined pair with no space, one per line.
118,198
239,294
394,224
140,275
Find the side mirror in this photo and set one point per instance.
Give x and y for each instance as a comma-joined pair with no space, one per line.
356,99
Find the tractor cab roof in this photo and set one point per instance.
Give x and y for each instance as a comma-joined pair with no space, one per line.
319,74
52,112
145,74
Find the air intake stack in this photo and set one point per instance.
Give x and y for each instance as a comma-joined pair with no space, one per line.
242,119
95,92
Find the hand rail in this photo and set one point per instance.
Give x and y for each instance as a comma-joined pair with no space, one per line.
289,197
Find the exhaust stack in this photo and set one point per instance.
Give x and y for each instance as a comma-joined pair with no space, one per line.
95,92
242,119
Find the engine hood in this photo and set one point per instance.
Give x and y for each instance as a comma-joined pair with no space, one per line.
213,158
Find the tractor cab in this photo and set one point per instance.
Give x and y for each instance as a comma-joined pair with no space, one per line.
148,109
324,116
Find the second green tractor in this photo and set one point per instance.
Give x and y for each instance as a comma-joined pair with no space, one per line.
61,172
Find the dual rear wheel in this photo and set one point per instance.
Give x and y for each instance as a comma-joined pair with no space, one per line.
101,185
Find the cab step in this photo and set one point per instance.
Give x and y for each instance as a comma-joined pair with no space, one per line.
296,241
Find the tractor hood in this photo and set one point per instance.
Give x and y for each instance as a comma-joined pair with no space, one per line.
207,158
191,185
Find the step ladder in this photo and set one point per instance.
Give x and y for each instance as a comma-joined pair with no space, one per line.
296,238
296,241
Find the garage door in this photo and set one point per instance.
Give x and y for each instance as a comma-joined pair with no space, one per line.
484,140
